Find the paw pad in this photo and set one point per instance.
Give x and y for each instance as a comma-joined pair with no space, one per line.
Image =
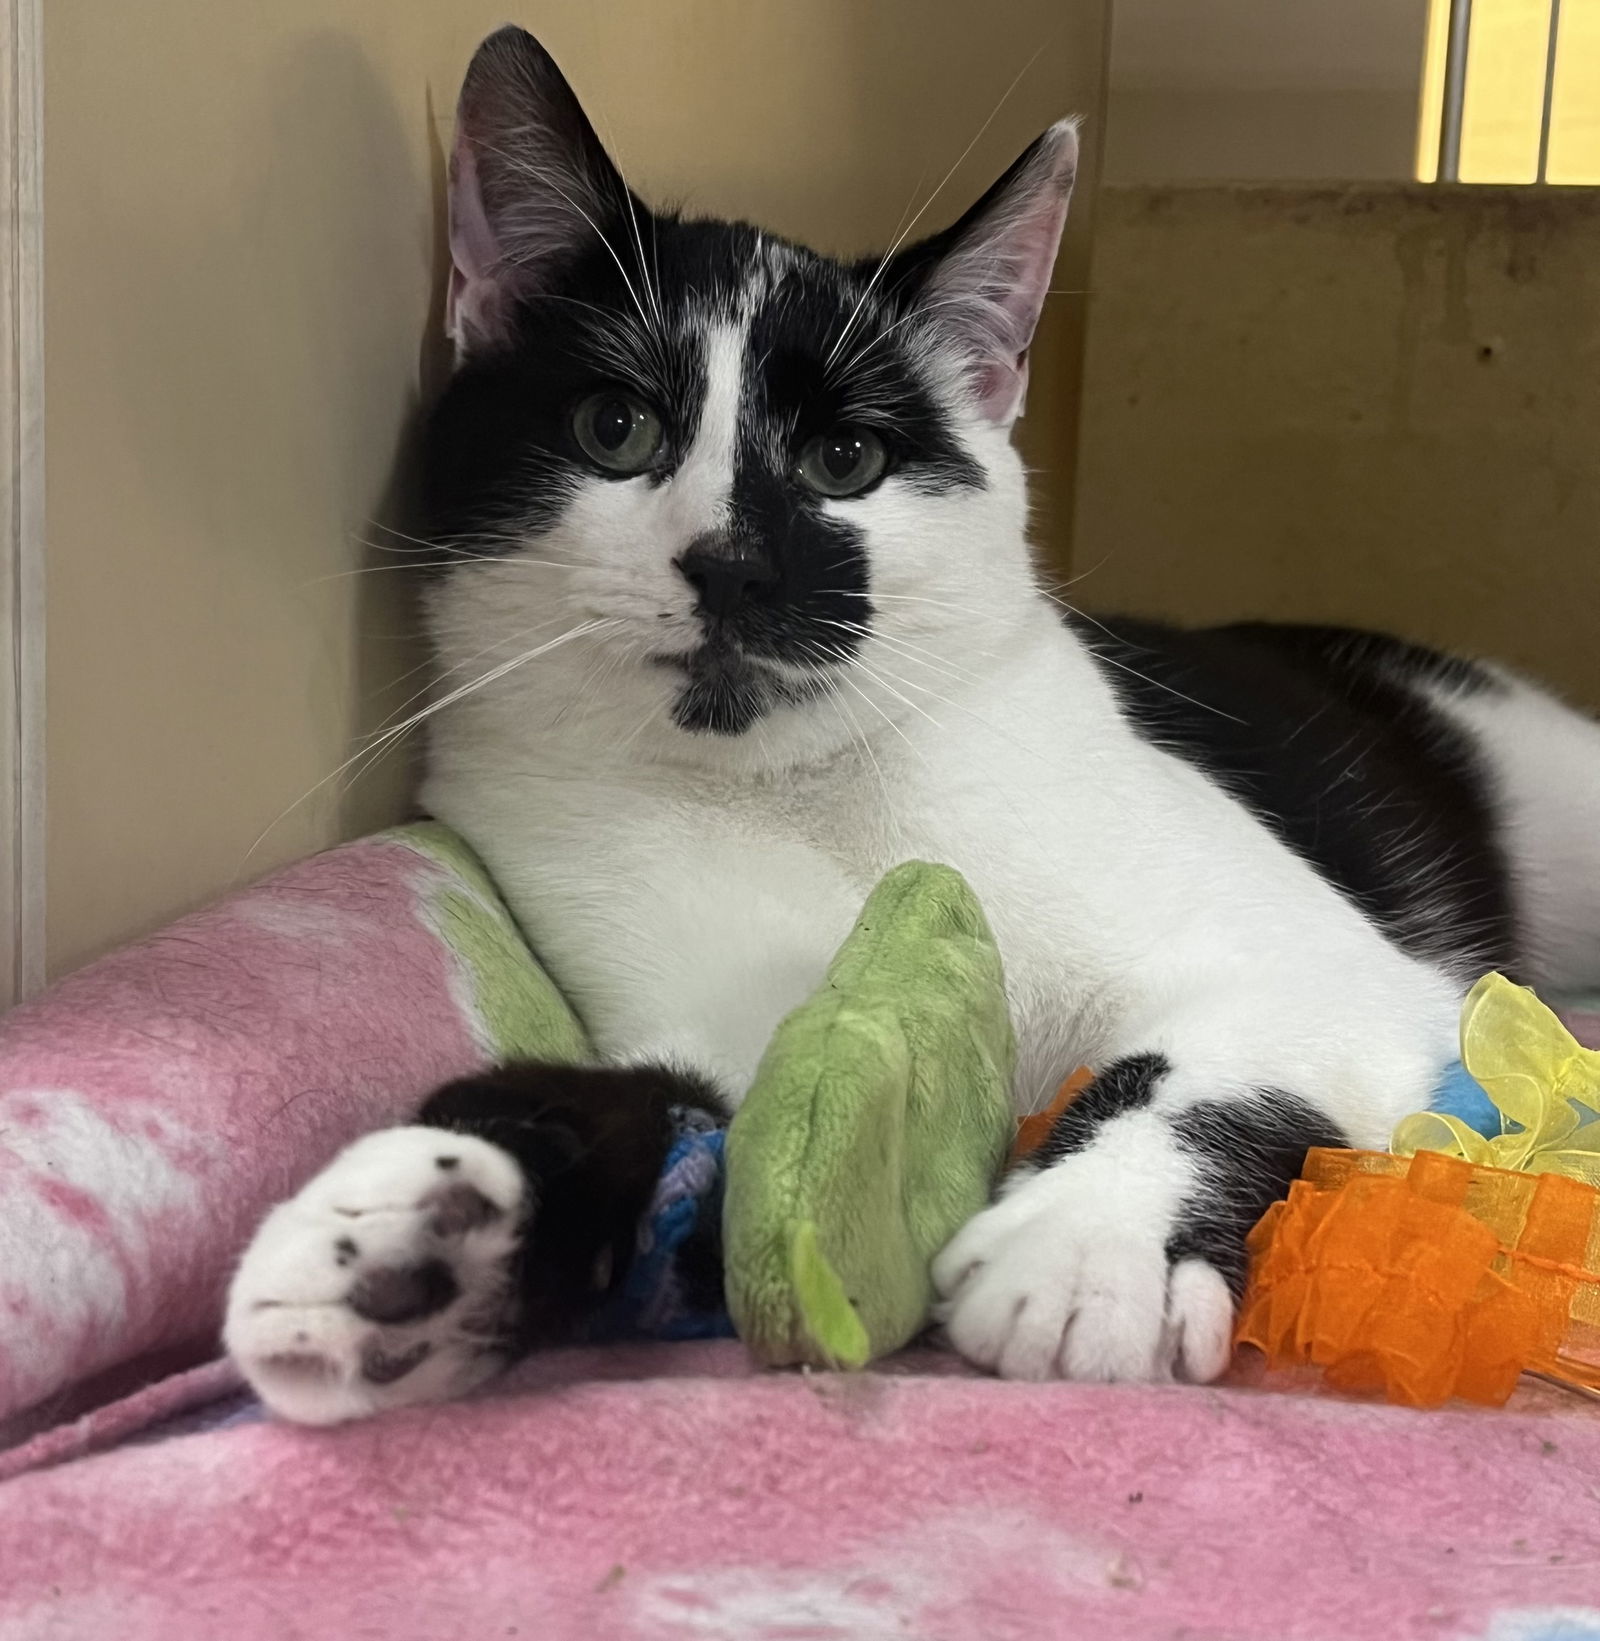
330,1319
396,1294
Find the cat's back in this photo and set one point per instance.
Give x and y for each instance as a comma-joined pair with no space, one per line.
1335,740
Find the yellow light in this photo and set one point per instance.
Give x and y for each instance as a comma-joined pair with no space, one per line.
1432,91
1505,92
1575,117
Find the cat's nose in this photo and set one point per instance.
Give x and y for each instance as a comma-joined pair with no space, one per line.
725,574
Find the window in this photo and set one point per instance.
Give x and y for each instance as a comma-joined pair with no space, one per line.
1530,110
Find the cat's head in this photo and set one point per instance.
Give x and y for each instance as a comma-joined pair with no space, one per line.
728,483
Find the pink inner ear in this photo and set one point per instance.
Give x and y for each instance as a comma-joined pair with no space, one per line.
1028,255
1001,388
475,303
1019,406
454,292
992,286
1037,239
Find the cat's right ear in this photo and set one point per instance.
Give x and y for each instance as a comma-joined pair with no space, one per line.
530,186
983,281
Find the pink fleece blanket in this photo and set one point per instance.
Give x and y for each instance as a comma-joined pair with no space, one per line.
151,1107
664,1493
154,1105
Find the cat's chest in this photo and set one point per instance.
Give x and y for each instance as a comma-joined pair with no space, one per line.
974,813
999,818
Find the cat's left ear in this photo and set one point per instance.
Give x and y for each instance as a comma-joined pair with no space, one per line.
983,281
531,186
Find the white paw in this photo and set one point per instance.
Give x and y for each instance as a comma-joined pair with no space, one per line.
384,1282
1067,1278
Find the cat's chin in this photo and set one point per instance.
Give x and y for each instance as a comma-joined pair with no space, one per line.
726,691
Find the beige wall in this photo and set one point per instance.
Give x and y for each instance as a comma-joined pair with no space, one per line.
1264,90
239,255
241,247
1374,405
1167,134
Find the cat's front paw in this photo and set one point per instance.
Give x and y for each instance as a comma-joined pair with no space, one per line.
384,1282
1067,1276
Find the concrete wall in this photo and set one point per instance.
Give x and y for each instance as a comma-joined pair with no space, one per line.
242,205
1369,405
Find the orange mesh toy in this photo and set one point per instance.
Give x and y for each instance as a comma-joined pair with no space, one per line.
1431,1275
1033,1131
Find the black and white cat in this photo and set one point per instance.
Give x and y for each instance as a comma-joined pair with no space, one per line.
738,613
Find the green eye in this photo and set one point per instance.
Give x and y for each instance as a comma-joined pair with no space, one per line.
617,431
842,462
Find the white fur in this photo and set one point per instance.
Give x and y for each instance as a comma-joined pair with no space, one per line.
1544,760
703,480
1066,1276
1138,907
688,891
289,1327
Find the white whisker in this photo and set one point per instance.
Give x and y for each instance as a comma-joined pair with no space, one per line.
541,175
900,238
442,564
380,739
653,292
1133,672
906,650
459,666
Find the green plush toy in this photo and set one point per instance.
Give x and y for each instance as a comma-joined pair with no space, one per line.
878,1122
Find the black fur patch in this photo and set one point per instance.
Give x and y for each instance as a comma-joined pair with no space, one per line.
872,380
1125,1085
725,692
1325,736
1250,1152
591,1140
501,464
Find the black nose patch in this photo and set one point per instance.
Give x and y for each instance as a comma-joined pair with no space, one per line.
726,574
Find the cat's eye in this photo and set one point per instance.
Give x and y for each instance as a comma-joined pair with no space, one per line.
844,461
617,431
